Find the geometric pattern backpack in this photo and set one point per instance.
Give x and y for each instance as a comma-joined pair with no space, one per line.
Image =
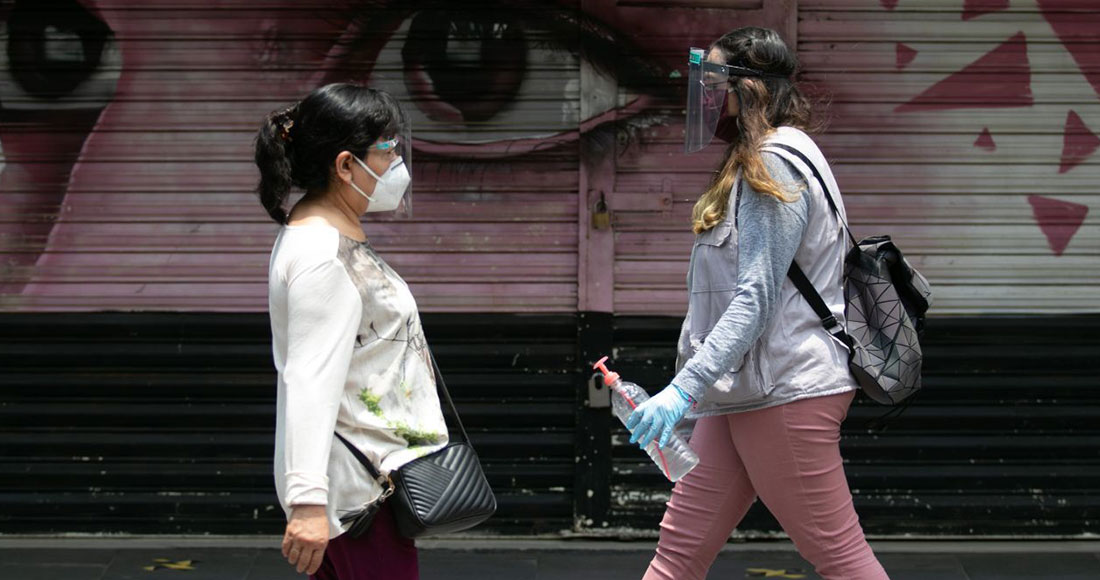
885,304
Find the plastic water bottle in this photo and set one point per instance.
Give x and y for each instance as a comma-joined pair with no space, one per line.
675,459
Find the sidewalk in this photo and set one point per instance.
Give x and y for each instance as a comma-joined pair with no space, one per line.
503,559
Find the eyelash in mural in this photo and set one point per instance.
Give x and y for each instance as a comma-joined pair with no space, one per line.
407,53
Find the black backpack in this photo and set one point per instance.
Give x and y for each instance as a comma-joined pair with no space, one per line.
885,304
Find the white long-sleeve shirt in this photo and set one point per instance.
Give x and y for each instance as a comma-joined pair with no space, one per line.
351,357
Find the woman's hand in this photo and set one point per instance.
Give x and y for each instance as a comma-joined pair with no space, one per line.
306,537
657,417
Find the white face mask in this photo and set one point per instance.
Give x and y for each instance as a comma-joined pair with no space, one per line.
389,187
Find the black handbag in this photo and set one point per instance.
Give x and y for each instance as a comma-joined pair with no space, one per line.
442,492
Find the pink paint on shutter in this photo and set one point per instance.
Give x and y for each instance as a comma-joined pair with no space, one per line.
975,8
955,199
158,210
1059,220
1077,24
1079,142
1001,78
153,205
905,55
985,141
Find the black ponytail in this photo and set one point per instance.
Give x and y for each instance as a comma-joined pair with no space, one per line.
273,160
296,147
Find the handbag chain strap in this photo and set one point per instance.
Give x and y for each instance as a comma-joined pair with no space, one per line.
384,480
441,387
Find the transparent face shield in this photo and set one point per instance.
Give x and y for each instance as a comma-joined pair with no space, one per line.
709,85
392,195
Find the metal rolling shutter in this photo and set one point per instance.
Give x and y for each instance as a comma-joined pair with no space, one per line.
159,214
1001,442
967,140
164,423
956,131
161,422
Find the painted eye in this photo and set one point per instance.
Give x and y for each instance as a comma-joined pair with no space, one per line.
464,69
56,55
504,82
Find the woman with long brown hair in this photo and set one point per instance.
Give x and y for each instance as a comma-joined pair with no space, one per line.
767,383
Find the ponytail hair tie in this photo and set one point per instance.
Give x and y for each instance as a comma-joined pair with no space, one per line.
285,120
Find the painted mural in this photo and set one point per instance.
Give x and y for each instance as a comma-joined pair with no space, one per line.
968,130
547,166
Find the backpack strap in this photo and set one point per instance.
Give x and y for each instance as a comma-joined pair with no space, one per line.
821,180
798,277
828,319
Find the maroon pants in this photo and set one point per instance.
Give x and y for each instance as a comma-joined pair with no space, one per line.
379,554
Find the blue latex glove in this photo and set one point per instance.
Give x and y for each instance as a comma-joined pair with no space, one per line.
658,416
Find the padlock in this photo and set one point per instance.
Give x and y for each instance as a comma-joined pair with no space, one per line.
599,396
601,216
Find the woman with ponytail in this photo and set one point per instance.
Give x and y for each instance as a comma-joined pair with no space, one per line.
349,350
768,385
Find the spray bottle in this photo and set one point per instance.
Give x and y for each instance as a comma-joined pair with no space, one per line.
675,459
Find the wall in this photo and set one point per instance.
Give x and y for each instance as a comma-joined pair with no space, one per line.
965,128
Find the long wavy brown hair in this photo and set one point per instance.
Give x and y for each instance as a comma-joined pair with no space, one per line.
766,103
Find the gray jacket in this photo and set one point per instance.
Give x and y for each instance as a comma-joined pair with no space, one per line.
749,339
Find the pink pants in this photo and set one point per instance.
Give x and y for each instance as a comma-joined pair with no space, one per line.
789,456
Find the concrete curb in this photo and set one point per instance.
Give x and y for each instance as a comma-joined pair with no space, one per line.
954,546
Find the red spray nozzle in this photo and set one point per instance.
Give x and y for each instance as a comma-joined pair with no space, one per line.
609,377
